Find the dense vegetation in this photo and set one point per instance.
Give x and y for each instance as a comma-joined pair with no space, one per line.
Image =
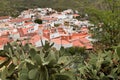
14,7
26,62
39,21
18,62
107,24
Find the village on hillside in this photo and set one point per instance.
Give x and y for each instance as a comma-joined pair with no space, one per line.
61,28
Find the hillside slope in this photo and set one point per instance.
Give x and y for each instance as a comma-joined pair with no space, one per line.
14,7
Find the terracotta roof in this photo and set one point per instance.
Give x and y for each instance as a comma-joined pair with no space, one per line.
77,36
4,17
34,39
49,18
46,31
58,41
89,46
3,40
61,30
80,34
20,19
22,31
84,40
28,23
76,15
81,44
86,43
78,43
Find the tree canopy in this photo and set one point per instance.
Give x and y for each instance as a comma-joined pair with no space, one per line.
107,23
39,21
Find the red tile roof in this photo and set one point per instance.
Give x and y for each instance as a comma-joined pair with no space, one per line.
35,39
28,23
59,41
76,15
78,43
4,40
84,40
81,43
20,19
4,17
49,18
22,31
89,46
